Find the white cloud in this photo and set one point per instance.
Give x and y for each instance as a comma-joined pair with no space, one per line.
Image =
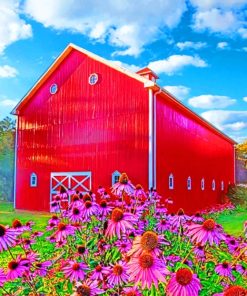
8,103
7,71
191,45
12,27
222,45
179,91
245,99
125,24
175,63
132,68
236,126
211,101
208,4
243,32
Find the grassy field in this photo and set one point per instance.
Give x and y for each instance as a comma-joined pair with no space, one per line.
231,222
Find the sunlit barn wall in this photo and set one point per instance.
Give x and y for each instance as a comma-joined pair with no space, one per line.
100,128
186,147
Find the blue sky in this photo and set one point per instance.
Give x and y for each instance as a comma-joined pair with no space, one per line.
197,47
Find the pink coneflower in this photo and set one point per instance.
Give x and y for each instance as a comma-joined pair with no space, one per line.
139,193
197,218
99,273
82,251
118,275
119,223
148,242
233,291
75,215
131,291
232,244
55,206
41,269
104,209
89,209
87,288
147,270
241,269
123,186
123,246
183,282
28,242
163,225
224,269
2,277
63,230
207,232
179,220
199,252
7,237
101,190
18,227
75,271
17,267
54,219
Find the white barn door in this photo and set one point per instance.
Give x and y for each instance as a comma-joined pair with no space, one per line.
81,181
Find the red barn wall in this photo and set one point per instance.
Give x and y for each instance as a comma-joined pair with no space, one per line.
100,128
186,148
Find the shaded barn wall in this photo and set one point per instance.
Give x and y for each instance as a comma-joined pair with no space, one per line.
100,128
241,172
187,148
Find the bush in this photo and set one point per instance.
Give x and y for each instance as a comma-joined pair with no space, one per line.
238,195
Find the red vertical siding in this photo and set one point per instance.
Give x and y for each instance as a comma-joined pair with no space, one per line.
100,128
188,148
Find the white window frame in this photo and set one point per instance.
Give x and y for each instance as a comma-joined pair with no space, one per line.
55,87
222,186
189,183
95,77
213,185
202,184
171,182
115,175
33,180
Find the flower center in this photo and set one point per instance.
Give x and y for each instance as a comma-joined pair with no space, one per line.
184,276
2,230
54,217
138,187
54,204
209,224
180,212
131,293
88,204
75,197
57,198
38,265
87,197
103,204
61,226
123,178
235,291
16,223
225,265
117,215
76,266
117,269
149,241
232,242
13,265
81,249
83,290
98,268
163,222
146,260
76,211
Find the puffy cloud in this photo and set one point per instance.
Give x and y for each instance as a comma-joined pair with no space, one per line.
225,120
208,4
245,99
12,27
243,32
191,45
179,91
175,63
127,25
132,68
222,45
7,71
211,101
8,103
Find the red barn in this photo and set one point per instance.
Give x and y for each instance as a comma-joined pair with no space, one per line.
87,119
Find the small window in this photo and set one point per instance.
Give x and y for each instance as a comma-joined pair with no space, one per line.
202,184
93,79
53,88
33,180
189,183
115,177
171,181
213,185
222,186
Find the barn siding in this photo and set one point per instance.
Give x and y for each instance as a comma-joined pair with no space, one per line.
187,148
100,128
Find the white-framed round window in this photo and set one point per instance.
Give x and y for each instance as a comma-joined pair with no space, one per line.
53,88
93,78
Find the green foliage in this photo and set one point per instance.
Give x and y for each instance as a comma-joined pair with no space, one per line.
238,195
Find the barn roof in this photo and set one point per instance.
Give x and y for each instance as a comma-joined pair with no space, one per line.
146,82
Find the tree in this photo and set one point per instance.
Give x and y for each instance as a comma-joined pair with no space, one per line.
242,152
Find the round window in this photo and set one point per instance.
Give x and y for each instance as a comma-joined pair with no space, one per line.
93,79
53,88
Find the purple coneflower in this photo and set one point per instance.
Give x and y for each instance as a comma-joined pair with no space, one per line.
75,271
28,242
118,275
241,269
131,291
41,269
63,230
101,190
119,223
197,218
183,282
148,242
123,186
179,220
82,251
18,227
55,206
199,252
89,209
17,267
224,269
147,270
99,273
207,232
104,209
75,215
163,225
123,246
87,288
233,291
2,277
139,193
232,244
7,237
